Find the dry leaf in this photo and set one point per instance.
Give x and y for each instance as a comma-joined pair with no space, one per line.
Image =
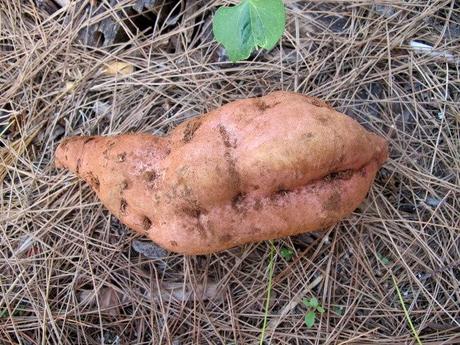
181,293
149,249
109,299
101,108
119,67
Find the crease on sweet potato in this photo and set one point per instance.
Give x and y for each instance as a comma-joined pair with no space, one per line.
238,200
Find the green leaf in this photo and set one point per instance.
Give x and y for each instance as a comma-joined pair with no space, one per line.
4,313
313,302
249,25
287,253
320,309
310,319
306,302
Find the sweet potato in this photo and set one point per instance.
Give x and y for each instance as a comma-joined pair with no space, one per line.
251,170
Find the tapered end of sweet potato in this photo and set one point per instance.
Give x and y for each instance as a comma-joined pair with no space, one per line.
69,152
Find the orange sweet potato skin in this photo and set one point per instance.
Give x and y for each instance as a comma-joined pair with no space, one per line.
251,170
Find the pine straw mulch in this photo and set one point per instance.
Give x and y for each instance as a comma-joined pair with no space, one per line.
70,273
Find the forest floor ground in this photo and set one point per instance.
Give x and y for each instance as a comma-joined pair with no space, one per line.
71,273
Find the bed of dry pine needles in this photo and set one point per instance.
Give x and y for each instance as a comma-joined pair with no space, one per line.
70,273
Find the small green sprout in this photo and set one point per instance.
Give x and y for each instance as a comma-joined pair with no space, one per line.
313,307
287,253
